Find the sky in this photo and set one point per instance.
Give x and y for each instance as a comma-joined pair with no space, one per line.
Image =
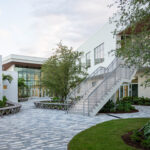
35,27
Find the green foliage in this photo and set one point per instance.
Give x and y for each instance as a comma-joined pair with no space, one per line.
136,136
137,100
3,102
146,130
142,135
62,72
146,143
120,106
134,15
55,98
21,82
109,107
9,78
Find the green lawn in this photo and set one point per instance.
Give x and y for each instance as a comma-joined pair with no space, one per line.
106,136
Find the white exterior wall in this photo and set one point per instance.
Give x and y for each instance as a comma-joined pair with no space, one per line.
12,88
104,35
142,91
1,83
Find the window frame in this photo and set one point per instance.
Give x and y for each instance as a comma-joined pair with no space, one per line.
99,54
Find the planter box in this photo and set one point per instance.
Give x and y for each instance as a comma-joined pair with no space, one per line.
46,105
10,109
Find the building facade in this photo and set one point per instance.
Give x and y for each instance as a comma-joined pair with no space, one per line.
29,69
98,53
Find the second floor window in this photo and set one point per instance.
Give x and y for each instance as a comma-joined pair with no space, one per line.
88,60
99,54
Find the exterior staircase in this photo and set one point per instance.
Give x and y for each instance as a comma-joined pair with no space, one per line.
94,92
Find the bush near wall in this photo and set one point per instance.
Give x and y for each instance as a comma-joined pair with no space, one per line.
137,100
3,102
118,107
141,137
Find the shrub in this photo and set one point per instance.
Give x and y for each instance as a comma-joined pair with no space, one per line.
146,143
3,102
142,135
120,106
137,100
109,106
55,98
146,129
136,136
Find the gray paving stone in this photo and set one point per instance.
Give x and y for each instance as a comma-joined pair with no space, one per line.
44,129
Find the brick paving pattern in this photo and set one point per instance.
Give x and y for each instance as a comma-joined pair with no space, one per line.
44,129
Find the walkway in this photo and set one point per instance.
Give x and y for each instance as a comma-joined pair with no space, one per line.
41,129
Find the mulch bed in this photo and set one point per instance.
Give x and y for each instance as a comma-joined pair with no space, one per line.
126,138
120,112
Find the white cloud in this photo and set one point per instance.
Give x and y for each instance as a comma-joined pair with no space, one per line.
70,21
51,21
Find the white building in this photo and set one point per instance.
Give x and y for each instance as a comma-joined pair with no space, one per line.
28,68
98,47
107,79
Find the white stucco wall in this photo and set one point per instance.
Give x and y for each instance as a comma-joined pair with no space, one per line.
104,35
1,84
12,88
142,91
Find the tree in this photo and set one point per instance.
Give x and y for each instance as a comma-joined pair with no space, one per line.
21,86
62,72
133,23
21,83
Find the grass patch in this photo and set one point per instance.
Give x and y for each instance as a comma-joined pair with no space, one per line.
107,135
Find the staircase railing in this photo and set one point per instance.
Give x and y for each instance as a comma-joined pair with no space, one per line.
117,74
82,89
109,77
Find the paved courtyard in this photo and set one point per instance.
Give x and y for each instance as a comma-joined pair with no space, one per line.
42,129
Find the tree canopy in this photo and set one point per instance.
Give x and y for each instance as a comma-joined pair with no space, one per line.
62,72
133,24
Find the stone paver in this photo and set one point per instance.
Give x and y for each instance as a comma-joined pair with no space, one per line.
43,129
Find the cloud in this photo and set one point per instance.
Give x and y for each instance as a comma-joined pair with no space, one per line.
70,21
51,21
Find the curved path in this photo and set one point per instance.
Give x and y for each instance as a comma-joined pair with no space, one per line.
43,129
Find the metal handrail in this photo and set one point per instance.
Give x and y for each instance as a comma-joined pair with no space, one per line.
84,81
101,84
91,75
110,74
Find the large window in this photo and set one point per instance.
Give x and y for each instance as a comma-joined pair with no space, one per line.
99,54
88,60
32,77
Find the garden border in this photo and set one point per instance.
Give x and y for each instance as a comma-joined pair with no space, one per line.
46,105
10,109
